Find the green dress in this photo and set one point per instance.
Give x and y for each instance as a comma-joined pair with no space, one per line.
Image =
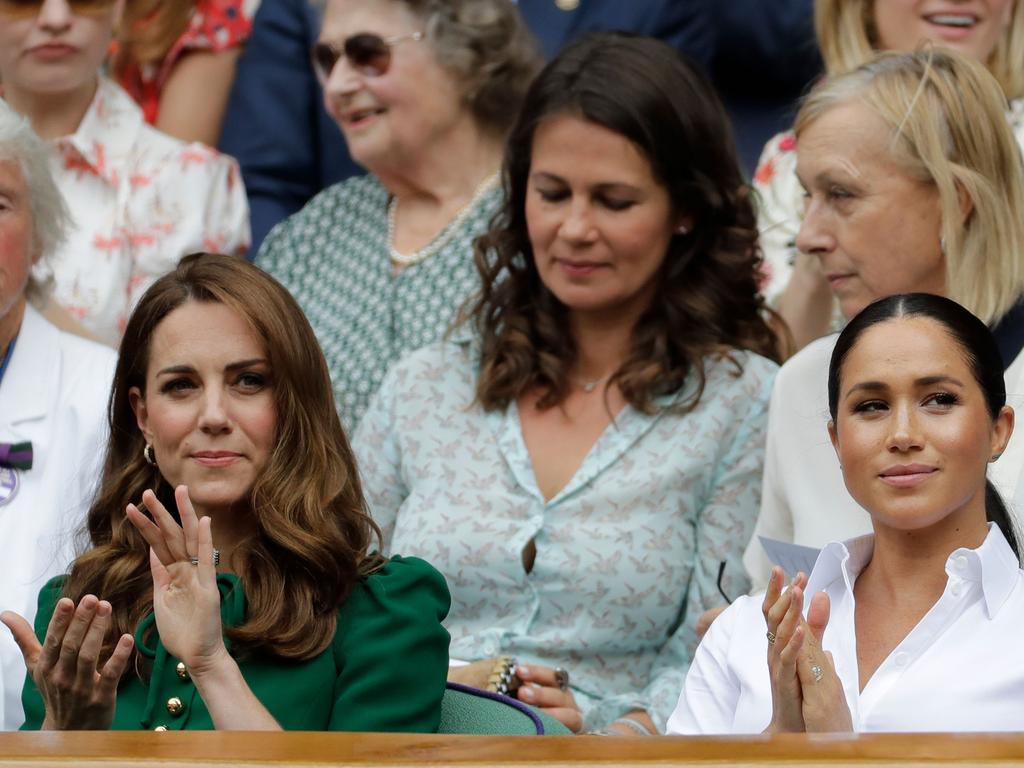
385,670
332,256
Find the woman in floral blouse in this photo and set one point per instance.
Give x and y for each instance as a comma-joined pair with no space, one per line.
583,457
850,32
140,199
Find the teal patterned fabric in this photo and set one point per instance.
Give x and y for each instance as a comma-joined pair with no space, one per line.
627,553
333,258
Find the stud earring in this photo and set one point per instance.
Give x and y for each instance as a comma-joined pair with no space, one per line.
682,229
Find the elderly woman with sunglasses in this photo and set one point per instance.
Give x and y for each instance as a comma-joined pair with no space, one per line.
140,199
424,92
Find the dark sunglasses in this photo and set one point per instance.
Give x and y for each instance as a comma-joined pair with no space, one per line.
369,54
26,8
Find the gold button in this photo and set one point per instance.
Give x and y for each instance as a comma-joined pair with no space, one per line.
175,706
182,671
160,728
568,5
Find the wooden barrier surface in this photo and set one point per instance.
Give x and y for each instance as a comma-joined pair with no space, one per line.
359,750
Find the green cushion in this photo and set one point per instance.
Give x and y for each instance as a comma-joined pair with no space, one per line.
467,710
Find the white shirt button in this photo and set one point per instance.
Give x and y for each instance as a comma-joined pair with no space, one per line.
901,659
960,563
956,589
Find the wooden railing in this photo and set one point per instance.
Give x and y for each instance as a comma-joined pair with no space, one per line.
228,750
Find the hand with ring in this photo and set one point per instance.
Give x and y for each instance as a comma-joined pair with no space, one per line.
785,633
186,600
824,706
548,689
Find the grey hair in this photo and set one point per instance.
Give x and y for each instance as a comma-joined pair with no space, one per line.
50,217
486,45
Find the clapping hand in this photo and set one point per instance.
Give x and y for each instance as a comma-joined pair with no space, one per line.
78,692
807,694
186,600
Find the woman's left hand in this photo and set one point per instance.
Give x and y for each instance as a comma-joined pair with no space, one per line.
541,689
186,600
824,702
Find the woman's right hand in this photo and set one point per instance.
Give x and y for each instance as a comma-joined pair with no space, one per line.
78,692
783,615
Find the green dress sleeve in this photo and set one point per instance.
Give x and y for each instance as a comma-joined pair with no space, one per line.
392,651
31,700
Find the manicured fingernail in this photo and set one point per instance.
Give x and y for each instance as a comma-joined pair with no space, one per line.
527,692
521,669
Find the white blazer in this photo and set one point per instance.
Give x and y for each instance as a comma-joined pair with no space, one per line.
54,393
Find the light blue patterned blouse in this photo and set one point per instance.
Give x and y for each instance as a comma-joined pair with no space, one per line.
627,554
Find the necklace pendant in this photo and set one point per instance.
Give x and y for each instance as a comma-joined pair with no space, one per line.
590,386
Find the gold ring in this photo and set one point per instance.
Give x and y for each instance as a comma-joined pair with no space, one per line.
771,637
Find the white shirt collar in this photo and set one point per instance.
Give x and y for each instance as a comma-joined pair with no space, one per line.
993,564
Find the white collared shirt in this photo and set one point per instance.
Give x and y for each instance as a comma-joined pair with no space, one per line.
140,200
959,669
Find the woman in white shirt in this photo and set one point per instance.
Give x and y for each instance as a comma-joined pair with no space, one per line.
914,183
139,199
913,628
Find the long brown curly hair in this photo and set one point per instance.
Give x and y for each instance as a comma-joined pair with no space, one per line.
707,299
312,528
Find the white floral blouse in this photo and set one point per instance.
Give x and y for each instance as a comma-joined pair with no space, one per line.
782,204
140,200
627,554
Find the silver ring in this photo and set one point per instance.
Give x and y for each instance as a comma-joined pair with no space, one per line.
216,558
818,673
562,678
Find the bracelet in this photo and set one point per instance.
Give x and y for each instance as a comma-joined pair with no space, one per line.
637,727
503,678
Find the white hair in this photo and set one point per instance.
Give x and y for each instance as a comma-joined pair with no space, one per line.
50,218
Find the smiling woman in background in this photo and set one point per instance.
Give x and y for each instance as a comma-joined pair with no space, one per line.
583,458
850,32
916,627
424,91
237,589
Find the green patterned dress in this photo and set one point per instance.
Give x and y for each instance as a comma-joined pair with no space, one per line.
333,258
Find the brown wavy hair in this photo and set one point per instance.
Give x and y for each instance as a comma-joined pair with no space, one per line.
707,299
312,528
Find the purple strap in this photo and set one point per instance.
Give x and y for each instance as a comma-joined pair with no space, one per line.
507,700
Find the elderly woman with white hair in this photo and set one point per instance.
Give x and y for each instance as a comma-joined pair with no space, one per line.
53,394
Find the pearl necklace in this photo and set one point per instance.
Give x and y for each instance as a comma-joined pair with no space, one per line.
424,253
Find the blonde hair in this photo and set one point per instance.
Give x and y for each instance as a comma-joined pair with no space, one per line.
848,39
946,114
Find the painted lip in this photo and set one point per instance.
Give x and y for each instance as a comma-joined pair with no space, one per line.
906,475
216,458
579,268
53,50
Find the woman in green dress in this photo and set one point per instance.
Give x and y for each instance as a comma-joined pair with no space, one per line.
230,583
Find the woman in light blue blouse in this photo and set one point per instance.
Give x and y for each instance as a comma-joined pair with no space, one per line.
585,452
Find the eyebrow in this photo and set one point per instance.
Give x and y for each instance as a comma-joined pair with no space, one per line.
177,369
924,381
619,185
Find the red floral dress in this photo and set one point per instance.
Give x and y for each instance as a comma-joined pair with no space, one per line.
216,26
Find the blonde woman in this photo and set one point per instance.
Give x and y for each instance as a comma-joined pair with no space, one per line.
914,184
850,32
